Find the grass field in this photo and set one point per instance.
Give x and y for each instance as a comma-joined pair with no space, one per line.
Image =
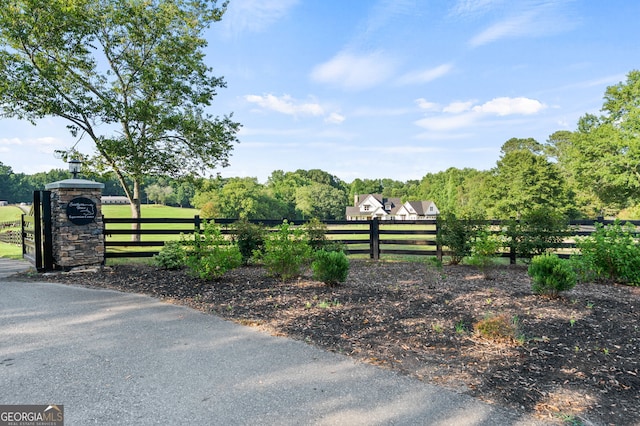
10,214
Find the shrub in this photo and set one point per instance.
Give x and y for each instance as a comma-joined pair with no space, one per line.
212,255
483,251
316,234
249,238
611,252
498,328
536,232
286,252
456,235
330,267
551,275
172,256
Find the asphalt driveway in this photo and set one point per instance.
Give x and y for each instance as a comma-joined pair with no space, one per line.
113,358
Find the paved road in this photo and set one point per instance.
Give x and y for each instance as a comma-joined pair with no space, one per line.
123,359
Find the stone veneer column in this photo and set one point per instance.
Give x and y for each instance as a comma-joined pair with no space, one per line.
76,245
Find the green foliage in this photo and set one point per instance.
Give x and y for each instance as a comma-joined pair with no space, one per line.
551,275
212,255
484,249
525,181
249,238
172,256
330,267
536,232
286,251
316,232
457,235
134,65
611,252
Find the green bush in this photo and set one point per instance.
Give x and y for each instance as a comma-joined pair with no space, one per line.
536,232
286,251
316,233
249,238
611,253
330,267
456,235
172,256
551,275
212,255
483,251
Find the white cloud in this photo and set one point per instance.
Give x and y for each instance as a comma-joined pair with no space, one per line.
472,7
425,76
426,105
508,106
529,19
515,26
254,15
334,118
460,114
286,105
458,107
354,72
10,141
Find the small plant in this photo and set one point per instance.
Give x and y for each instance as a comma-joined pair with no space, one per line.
551,275
212,255
316,232
483,251
437,328
498,328
172,256
286,252
461,328
611,253
330,267
456,235
536,232
249,238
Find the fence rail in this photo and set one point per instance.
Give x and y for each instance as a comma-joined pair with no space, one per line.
373,238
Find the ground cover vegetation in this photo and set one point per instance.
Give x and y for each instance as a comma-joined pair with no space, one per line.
557,338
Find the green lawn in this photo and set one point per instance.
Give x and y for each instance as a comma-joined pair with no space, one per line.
10,214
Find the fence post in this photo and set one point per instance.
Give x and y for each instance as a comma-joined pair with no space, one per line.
196,231
439,253
374,239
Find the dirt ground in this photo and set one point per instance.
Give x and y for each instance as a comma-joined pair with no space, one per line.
572,360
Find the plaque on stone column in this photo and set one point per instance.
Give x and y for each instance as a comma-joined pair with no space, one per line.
81,211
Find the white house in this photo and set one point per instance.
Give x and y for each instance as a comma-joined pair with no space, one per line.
375,205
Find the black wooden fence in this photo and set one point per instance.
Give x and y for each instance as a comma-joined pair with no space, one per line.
371,238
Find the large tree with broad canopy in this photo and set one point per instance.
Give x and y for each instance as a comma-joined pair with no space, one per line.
128,74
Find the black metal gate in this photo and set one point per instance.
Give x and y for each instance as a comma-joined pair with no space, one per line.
37,240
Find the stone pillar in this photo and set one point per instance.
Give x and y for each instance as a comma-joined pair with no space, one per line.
76,223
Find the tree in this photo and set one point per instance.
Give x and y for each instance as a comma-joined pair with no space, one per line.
525,181
103,65
158,193
605,149
321,201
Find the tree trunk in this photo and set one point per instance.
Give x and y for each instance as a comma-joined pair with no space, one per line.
135,209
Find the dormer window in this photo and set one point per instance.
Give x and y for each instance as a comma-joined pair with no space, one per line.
366,207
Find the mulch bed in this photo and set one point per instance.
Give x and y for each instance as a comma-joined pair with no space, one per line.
572,359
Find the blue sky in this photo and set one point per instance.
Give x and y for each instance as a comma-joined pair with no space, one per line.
392,88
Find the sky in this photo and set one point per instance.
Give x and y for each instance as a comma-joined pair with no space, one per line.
393,89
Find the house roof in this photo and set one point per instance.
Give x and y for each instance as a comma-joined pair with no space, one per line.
421,207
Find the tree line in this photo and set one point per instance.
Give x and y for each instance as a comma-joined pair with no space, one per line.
140,66
590,172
